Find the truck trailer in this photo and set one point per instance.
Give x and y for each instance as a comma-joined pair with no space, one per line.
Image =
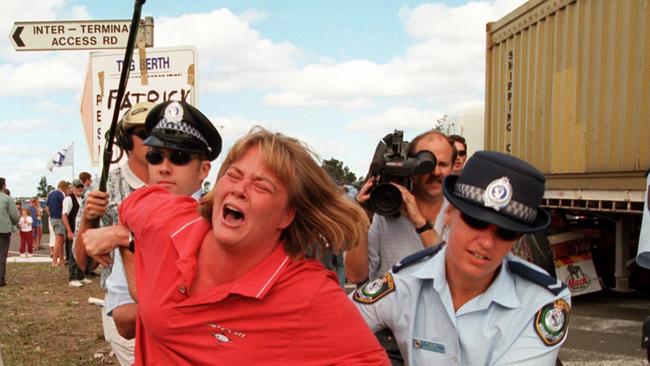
568,90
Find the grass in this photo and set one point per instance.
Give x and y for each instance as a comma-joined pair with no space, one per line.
45,322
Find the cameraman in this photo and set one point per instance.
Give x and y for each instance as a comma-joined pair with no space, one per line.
391,239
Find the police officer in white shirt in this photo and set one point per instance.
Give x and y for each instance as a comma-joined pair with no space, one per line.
471,301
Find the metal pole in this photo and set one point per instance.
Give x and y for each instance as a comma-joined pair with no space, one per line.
622,254
128,56
72,144
124,78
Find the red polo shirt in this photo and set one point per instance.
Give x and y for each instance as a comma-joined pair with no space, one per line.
283,312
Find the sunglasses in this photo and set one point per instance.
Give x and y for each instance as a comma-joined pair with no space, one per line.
176,157
462,152
142,134
505,234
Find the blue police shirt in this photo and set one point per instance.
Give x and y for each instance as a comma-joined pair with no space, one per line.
515,321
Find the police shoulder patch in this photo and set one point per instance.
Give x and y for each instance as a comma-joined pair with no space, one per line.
372,291
552,321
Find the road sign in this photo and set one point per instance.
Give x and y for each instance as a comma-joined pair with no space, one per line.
167,74
70,35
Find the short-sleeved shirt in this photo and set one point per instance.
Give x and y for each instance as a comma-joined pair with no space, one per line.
496,327
25,224
32,213
67,205
389,240
55,204
284,311
121,182
116,284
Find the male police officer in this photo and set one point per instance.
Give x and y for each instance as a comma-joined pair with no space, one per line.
124,179
181,143
473,302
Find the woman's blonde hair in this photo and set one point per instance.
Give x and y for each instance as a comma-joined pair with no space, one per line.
324,219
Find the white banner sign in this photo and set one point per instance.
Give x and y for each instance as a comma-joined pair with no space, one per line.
162,74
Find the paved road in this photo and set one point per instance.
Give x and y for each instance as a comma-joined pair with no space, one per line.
605,330
39,255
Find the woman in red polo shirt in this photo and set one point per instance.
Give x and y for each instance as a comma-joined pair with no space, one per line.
231,283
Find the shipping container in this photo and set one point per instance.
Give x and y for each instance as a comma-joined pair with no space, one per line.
568,90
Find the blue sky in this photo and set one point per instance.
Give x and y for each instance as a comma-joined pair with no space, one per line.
337,74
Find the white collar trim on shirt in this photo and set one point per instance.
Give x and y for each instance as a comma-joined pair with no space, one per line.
131,179
197,195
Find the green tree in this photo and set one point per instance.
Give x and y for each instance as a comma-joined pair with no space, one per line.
338,171
43,188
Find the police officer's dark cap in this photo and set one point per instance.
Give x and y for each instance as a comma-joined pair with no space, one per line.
499,189
179,126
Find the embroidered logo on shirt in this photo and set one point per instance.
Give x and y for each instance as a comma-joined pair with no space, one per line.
551,322
224,335
375,290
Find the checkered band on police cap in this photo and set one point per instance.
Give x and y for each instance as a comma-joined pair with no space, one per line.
181,127
514,209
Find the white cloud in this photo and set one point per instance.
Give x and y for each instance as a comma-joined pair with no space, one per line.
22,125
253,16
445,63
40,72
232,55
397,118
79,12
42,76
52,108
34,10
292,99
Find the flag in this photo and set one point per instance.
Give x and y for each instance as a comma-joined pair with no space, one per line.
64,157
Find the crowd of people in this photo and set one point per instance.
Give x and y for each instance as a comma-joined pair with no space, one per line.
63,207
237,276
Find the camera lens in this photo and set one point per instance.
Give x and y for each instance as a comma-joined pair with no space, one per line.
385,200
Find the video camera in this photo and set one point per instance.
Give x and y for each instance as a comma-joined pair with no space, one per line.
392,163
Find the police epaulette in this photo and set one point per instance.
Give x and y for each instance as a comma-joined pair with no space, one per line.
416,257
550,283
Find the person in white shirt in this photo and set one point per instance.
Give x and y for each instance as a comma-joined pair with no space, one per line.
26,234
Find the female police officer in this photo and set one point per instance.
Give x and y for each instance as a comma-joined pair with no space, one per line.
473,302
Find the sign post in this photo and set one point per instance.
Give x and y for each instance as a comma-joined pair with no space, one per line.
75,34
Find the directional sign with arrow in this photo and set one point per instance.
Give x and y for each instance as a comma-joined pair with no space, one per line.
16,37
70,35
